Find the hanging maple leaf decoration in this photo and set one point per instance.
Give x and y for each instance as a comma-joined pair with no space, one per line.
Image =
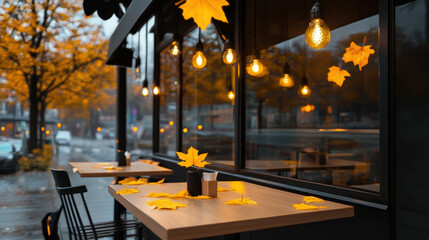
192,158
202,11
357,54
337,75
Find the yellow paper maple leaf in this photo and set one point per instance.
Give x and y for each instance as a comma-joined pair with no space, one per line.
240,201
311,199
127,191
159,182
221,189
181,194
357,54
303,206
202,11
238,187
192,158
112,168
337,75
166,204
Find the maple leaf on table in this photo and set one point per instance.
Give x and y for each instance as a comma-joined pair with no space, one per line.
202,11
337,75
357,54
192,158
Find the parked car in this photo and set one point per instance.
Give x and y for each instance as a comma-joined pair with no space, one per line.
63,137
8,157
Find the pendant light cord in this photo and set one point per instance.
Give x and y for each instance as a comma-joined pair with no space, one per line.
285,30
254,26
146,52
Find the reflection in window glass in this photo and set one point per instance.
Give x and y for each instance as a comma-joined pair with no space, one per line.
330,136
140,108
207,109
168,99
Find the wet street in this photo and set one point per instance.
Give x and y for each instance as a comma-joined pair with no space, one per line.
26,197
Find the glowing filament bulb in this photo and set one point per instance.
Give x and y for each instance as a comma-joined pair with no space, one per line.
255,67
174,48
318,34
199,60
286,81
305,90
231,95
155,90
145,92
229,56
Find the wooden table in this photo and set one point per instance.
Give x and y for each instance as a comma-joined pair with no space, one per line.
212,217
281,165
95,169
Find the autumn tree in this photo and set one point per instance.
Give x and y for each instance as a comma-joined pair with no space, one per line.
48,53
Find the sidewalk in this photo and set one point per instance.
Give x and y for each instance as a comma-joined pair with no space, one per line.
26,197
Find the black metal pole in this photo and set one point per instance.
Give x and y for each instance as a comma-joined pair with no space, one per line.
121,116
179,100
121,136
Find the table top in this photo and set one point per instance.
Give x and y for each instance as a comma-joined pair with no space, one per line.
212,217
282,165
96,169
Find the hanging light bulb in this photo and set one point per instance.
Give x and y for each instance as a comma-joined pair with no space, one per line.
155,90
199,60
287,80
318,34
229,55
255,67
231,95
145,89
137,71
305,90
174,48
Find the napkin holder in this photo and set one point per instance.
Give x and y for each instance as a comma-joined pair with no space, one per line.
209,188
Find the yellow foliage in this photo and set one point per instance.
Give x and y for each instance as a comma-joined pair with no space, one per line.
41,160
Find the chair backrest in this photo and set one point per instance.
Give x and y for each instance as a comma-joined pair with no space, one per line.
73,213
61,178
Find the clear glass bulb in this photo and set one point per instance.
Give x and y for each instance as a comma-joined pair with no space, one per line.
229,56
199,60
255,68
155,90
145,92
231,95
286,81
137,73
305,90
174,48
318,34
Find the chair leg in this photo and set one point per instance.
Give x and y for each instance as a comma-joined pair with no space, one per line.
140,232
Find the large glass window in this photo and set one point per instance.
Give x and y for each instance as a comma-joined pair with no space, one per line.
168,101
207,101
139,107
330,135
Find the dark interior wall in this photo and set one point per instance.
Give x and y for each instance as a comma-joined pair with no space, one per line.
412,120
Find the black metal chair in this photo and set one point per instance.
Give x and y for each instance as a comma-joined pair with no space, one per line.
74,212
